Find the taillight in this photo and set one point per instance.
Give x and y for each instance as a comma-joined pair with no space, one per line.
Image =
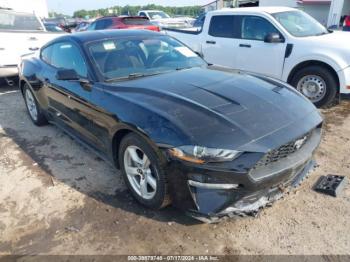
157,29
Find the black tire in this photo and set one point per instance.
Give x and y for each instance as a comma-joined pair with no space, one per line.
331,89
40,119
161,198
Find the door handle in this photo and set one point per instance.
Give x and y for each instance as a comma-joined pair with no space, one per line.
211,42
33,48
245,45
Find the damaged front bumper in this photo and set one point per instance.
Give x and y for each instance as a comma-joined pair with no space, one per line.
252,204
211,193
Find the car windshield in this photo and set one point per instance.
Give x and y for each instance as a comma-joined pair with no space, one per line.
19,21
300,24
126,58
158,15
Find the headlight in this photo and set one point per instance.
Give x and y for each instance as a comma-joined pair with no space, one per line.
201,155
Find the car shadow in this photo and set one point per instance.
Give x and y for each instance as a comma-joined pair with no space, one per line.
42,146
121,199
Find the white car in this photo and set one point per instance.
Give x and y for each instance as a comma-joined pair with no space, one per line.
20,34
163,20
279,42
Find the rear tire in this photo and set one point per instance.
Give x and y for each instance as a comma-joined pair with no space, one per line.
34,111
143,172
317,83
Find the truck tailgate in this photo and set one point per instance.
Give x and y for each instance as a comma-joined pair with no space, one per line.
15,44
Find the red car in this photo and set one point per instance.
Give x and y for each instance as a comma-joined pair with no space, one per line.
123,22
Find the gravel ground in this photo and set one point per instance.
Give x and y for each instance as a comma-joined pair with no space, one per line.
56,197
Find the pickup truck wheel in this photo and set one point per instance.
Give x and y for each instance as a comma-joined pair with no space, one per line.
143,172
316,83
33,108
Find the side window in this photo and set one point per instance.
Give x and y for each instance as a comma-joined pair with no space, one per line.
256,28
100,24
108,23
46,54
222,26
68,56
143,14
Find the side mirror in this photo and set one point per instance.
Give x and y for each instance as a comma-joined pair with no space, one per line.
67,75
273,38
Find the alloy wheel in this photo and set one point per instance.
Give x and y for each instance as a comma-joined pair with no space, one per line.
31,105
139,171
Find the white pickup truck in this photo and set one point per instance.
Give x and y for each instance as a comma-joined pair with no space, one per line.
20,34
163,20
279,42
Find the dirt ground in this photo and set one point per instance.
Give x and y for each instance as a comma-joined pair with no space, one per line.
56,197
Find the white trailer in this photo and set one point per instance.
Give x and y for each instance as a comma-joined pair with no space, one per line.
39,7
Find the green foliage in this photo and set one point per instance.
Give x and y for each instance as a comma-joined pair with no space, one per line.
133,10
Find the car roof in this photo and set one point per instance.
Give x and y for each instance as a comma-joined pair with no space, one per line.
90,36
121,17
260,9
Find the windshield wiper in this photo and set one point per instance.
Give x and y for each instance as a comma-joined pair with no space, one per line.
132,76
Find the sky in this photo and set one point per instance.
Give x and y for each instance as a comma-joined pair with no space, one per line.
69,6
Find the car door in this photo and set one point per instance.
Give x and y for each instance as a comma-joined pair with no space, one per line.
219,45
69,101
253,53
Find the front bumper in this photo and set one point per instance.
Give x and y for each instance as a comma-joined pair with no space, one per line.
209,193
8,71
344,80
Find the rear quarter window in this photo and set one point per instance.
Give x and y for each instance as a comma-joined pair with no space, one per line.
46,54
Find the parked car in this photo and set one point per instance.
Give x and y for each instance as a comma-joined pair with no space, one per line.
212,141
280,42
124,22
52,27
163,20
59,21
20,33
66,24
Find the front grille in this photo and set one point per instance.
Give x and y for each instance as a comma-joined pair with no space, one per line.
283,151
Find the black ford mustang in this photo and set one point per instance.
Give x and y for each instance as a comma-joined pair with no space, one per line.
212,141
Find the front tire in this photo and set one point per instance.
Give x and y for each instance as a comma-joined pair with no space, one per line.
143,172
317,83
33,108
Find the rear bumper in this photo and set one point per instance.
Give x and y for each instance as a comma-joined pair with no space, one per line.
8,71
211,192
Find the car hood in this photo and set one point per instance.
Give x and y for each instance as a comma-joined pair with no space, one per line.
333,44
215,108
